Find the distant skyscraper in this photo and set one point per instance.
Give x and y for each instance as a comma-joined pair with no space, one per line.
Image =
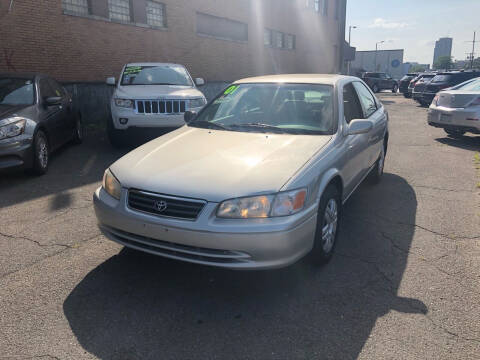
443,47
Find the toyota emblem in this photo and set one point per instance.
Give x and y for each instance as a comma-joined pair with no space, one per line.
161,205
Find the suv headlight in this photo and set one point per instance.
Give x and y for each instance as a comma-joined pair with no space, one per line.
125,103
264,206
111,185
196,103
15,128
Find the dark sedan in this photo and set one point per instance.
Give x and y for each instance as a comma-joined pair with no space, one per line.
36,118
404,82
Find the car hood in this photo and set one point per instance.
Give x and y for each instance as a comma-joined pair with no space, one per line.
156,92
216,165
10,110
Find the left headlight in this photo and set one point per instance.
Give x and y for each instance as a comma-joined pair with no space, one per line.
196,103
111,185
125,103
15,128
264,206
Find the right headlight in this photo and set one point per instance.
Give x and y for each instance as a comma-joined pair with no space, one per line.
15,128
196,103
111,185
125,103
264,206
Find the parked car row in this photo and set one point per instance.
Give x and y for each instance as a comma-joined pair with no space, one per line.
378,81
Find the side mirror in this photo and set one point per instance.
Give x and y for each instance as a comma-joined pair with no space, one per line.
357,127
111,81
189,116
199,81
53,100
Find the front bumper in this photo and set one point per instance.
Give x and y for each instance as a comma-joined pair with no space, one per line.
454,118
234,244
146,120
16,152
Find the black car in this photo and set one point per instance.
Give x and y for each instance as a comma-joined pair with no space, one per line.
404,82
379,81
420,86
36,118
445,80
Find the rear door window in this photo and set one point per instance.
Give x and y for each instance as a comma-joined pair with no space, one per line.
351,104
367,100
45,89
57,88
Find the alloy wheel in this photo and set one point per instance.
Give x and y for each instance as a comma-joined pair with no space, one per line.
329,229
42,151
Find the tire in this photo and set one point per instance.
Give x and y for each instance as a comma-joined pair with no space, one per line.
395,88
41,153
375,88
328,224
116,137
407,95
78,131
455,133
377,172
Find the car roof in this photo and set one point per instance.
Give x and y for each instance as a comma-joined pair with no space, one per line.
325,79
152,64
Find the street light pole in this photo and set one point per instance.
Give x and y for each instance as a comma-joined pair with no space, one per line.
349,42
376,50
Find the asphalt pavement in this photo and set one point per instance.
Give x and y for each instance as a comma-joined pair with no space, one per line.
404,282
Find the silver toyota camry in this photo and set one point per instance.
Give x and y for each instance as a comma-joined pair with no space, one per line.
256,180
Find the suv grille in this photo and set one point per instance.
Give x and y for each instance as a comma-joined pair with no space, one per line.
163,205
160,106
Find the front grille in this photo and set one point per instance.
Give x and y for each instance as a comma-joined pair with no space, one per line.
160,106
177,251
163,205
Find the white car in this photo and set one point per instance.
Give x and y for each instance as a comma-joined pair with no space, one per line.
457,110
152,95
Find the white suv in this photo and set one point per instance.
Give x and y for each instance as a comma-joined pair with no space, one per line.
152,95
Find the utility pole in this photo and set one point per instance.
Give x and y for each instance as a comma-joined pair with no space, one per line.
349,42
471,56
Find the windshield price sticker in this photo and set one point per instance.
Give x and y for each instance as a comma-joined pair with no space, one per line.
231,90
132,70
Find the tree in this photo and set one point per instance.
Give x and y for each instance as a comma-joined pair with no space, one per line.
443,62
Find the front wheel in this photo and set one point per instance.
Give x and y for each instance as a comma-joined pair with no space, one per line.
78,131
377,172
41,153
375,88
395,88
455,133
328,221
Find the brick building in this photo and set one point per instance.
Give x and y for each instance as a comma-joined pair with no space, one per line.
88,40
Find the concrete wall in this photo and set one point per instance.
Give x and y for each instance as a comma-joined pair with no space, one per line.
388,61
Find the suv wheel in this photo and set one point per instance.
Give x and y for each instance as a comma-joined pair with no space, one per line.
375,88
395,88
455,133
116,137
328,222
41,153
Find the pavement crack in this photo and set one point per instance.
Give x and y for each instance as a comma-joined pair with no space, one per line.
62,213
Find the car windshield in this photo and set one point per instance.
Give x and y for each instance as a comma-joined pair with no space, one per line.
15,91
441,78
472,85
156,75
278,108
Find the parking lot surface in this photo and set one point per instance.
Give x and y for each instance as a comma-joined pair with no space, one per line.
404,282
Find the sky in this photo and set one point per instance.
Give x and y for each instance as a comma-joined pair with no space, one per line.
414,25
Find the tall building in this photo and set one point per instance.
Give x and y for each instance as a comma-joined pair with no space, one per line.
88,40
443,47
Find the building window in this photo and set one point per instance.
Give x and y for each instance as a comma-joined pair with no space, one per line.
290,42
267,37
325,8
156,14
279,40
77,7
119,10
221,28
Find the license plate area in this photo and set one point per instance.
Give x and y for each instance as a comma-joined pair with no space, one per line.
445,118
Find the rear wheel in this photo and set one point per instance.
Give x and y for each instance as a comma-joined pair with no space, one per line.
328,221
41,153
79,132
375,88
455,133
395,88
377,172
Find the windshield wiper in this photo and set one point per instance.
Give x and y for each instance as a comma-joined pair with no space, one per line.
260,126
207,125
